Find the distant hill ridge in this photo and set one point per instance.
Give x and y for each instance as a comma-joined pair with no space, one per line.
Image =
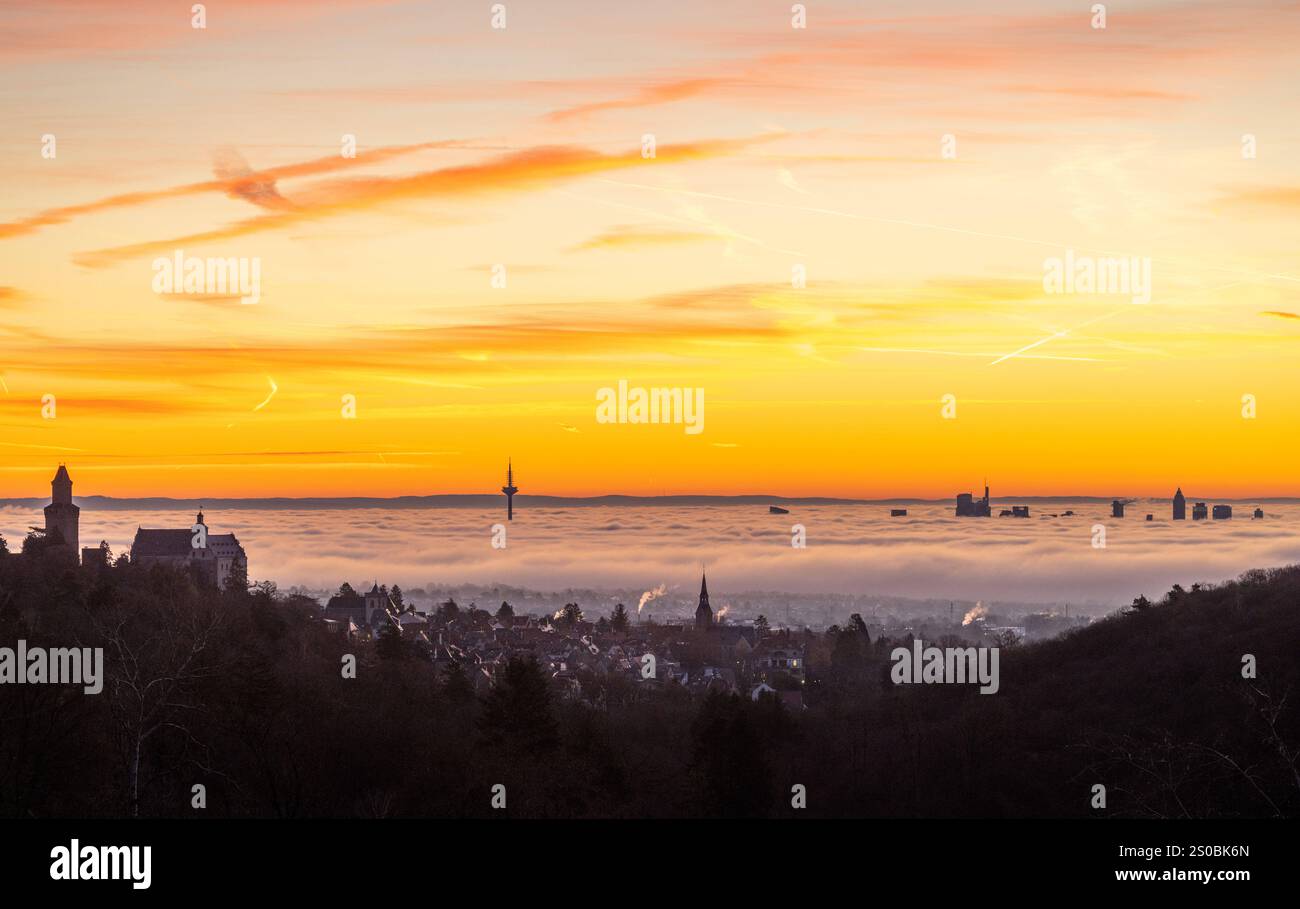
160,503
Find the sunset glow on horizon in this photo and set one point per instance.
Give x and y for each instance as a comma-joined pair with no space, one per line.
922,164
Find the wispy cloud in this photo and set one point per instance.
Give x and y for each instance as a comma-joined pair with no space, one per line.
530,169
234,179
632,237
648,96
1280,199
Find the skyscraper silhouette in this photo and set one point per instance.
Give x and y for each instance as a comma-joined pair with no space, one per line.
510,489
970,507
1180,505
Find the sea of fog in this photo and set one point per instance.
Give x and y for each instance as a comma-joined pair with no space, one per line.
851,549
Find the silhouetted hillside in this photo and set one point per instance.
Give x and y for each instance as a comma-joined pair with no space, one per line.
242,692
1152,704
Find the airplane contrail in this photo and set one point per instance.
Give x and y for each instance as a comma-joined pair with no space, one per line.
965,353
274,389
1016,353
1054,335
1061,334
837,213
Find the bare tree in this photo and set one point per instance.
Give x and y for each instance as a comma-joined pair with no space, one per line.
154,670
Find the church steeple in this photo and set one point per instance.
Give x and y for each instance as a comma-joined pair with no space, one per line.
703,613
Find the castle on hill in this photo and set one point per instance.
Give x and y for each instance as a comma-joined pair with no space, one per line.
214,557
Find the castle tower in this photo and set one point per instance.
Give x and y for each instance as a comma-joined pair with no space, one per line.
703,613
61,514
1180,506
510,489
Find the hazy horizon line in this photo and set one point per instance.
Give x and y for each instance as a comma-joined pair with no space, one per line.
493,500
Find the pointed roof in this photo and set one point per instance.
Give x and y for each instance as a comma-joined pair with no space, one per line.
703,613
62,474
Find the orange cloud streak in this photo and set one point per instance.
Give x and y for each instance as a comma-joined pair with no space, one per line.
527,169
639,237
230,185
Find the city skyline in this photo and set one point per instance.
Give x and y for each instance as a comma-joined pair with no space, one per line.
510,490
617,541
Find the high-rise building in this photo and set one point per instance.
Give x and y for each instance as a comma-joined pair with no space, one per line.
1199,512
1117,509
970,507
703,612
1221,512
1180,506
61,515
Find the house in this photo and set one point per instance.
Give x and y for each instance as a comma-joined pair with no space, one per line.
779,655
368,612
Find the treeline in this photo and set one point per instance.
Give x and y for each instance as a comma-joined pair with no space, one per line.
243,693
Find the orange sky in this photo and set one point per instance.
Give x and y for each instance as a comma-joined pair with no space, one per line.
776,147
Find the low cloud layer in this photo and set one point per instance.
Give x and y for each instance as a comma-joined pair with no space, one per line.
850,549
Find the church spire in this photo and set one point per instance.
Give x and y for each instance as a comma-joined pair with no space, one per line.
703,613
